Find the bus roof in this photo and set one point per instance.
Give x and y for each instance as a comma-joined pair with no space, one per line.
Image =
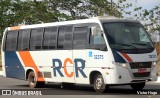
90,20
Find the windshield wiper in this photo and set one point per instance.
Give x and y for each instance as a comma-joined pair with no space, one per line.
130,45
144,44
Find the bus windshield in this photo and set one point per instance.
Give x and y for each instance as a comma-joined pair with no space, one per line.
127,36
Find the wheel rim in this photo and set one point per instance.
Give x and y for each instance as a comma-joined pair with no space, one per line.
99,83
32,80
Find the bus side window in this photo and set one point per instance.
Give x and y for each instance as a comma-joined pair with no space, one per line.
36,39
39,39
11,41
26,37
68,37
80,37
50,37
61,36
23,39
65,37
97,41
33,39
20,40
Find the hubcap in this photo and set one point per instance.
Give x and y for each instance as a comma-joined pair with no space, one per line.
99,83
33,80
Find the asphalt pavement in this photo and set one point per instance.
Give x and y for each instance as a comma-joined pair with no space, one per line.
151,90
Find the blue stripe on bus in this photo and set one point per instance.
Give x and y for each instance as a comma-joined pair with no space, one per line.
14,68
117,57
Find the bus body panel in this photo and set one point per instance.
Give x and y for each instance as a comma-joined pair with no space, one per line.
99,61
48,67
14,68
75,65
126,74
81,70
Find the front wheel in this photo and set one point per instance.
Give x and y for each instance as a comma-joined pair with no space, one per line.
138,86
33,83
99,85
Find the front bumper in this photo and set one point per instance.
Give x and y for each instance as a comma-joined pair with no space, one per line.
121,75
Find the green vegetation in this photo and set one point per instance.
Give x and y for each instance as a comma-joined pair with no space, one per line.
20,12
26,12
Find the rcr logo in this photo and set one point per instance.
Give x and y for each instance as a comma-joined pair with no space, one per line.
79,66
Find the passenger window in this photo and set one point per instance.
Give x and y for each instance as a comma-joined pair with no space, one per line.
65,37
97,41
39,39
36,39
68,37
23,39
80,37
61,37
33,39
26,38
50,37
20,40
11,41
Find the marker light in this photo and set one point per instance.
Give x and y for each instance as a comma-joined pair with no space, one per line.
154,63
125,65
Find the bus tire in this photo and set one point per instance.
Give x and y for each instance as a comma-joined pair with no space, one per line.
99,85
32,81
137,86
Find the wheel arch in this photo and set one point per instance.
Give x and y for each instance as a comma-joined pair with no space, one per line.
92,75
28,70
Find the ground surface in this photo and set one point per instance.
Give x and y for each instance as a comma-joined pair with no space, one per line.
56,89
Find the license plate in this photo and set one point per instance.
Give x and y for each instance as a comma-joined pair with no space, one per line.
142,70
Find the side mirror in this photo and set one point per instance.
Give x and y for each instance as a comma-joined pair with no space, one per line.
94,31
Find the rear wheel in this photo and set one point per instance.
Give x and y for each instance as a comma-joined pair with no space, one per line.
99,85
33,83
137,86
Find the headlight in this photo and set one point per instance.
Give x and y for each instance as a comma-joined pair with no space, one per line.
154,63
125,65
